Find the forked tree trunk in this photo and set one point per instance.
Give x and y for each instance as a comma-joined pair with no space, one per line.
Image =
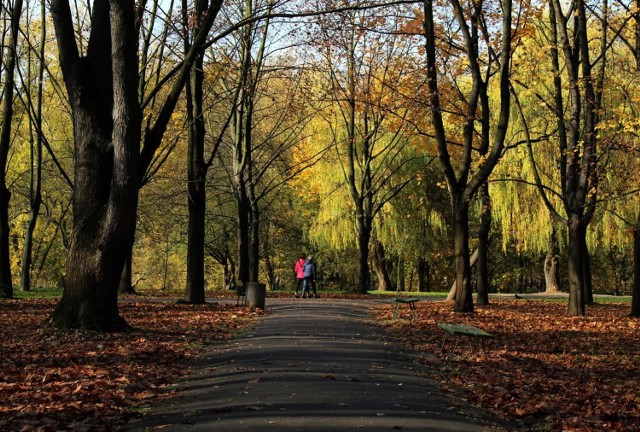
380,266
107,120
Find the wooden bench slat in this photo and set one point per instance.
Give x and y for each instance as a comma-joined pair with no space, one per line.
462,329
407,299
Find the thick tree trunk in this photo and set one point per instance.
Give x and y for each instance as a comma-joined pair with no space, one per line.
380,267
195,242
107,122
483,247
463,296
575,267
472,262
635,299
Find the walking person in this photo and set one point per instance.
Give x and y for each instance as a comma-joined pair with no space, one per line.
299,273
309,273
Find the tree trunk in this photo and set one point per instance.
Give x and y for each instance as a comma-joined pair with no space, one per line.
9,61
254,244
551,265
107,126
575,267
243,233
380,267
424,275
36,164
635,299
472,262
364,236
463,296
196,172
482,267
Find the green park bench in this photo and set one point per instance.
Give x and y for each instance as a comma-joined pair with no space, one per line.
459,330
410,301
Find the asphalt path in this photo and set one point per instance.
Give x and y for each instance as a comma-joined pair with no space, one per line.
311,365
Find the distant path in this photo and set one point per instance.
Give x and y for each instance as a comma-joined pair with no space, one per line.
310,365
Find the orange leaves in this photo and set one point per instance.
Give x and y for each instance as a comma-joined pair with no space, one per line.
572,373
86,382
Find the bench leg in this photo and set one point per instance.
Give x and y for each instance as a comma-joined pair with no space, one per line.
454,347
414,311
395,310
443,341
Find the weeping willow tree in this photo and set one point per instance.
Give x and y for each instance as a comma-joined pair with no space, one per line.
367,113
570,162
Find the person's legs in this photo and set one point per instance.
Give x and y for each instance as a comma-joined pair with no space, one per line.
313,285
298,285
305,284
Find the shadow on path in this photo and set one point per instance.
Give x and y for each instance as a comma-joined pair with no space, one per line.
310,365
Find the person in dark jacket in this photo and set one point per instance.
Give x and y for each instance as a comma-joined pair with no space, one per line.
309,272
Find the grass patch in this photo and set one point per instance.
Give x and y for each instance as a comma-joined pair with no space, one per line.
38,292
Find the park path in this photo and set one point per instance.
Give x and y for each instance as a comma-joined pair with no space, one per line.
310,365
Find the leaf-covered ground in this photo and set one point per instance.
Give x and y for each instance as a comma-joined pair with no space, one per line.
82,381
543,368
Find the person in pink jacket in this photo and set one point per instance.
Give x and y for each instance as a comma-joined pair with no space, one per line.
299,273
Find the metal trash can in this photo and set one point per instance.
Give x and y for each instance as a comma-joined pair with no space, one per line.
256,294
